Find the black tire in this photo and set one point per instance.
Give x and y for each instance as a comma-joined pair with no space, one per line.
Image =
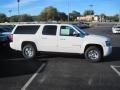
29,51
93,54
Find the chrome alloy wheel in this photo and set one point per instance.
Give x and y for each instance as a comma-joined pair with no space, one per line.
28,51
93,54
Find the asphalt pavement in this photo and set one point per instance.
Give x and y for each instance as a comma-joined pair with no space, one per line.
62,71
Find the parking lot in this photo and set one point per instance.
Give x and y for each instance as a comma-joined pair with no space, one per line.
62,71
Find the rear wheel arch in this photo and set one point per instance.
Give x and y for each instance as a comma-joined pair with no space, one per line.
28,42
29,50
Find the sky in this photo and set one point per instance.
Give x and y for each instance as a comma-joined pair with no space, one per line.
34,7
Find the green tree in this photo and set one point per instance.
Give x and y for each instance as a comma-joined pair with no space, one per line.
74,15
114,18
49,13
88,12
62,16
14,18
3,18
25,18
102,14
21,18
103,17
35,18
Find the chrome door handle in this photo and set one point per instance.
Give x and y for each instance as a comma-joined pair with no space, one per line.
44,38
62,39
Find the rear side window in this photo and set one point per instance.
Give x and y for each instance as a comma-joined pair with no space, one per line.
49,30
27,29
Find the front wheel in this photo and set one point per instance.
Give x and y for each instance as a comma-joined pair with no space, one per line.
29,51
93,54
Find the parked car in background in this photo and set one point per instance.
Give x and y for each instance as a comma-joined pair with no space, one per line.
82,25
5,33
116,28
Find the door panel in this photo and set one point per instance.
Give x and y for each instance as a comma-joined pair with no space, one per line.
48,38
48,43
68,41
69,44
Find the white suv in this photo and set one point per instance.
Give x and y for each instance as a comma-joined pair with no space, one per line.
30,38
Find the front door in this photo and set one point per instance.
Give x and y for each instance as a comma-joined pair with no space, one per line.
69,40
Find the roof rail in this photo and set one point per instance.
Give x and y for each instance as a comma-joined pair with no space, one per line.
47,22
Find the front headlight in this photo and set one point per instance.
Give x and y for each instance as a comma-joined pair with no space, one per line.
108,43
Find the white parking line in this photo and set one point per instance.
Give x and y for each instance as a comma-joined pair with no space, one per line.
32,78
114,68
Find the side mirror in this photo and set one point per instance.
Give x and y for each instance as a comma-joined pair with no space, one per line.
76,34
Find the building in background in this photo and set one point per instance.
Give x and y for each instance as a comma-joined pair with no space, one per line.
96,18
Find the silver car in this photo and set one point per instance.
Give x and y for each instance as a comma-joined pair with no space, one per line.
116,28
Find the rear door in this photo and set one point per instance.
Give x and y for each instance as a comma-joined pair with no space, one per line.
48,38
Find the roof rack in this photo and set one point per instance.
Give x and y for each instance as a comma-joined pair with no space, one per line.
44,22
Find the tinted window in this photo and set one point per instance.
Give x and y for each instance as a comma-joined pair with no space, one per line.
66,31
49,30
2,30
27,29
7,28
118,27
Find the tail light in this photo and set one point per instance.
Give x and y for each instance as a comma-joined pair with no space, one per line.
11,38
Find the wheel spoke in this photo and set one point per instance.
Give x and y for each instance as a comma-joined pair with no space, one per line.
93,54
28,51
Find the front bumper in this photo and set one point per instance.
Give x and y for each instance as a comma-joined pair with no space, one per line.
107,50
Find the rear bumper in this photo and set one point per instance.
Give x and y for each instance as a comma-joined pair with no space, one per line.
15,46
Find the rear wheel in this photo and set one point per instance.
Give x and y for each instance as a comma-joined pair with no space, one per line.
93,54
28,51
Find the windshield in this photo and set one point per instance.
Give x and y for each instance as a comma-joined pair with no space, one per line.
81,31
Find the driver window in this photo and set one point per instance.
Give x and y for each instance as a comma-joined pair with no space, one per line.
67,31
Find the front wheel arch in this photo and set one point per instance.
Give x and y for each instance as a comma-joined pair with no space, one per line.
95,45
97,48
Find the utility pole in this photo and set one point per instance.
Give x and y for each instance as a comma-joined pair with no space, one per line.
92,11
68,10
10,12
119,16
18,1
